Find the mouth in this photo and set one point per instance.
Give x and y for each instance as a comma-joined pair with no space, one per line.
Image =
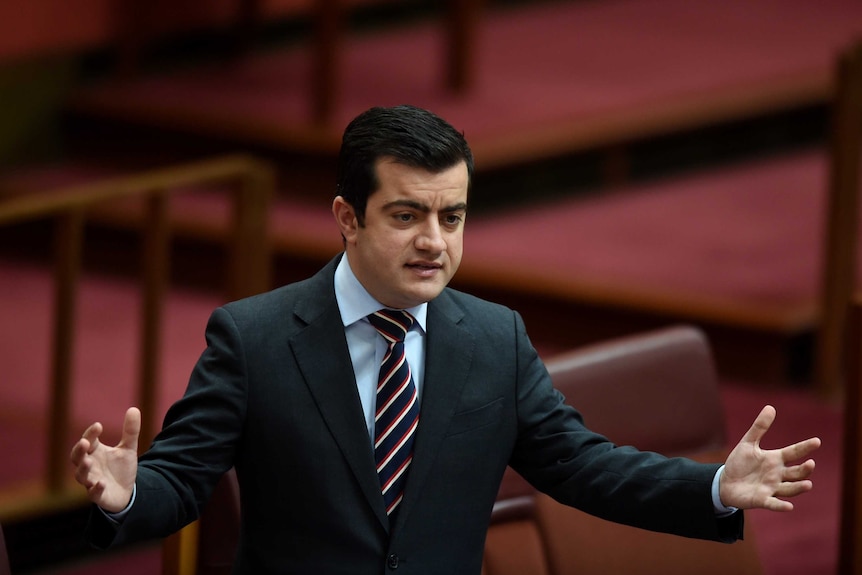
424,268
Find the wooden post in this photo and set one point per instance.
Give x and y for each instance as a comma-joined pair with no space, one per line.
462,26
328,21
156,271
180,551
250,251
133,25
839,256
616,166
68,248
850,555
246,26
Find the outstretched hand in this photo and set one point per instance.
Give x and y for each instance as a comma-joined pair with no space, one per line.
758,478
108,473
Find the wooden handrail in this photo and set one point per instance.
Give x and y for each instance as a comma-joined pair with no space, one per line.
44,204
839,255
248,272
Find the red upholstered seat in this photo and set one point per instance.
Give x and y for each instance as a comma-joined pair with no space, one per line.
657,391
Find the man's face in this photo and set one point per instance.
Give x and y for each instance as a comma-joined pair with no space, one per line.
412,240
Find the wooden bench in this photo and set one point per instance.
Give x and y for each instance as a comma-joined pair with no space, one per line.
547,79
127,28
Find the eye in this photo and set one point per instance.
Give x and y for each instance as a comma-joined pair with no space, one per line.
404,217
453,219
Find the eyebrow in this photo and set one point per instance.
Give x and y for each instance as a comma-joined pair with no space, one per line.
459,207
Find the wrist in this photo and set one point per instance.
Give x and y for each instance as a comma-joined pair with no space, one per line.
719,497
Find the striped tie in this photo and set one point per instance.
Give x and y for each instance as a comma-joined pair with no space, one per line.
397,412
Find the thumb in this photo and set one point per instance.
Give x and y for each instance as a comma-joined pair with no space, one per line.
131,429
760,426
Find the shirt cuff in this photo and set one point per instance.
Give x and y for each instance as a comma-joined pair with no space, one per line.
117,518
721,510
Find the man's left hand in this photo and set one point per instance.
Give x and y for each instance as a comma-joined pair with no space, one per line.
759,478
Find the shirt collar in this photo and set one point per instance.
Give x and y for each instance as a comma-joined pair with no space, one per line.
355,303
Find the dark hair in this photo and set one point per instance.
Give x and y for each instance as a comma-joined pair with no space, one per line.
410,135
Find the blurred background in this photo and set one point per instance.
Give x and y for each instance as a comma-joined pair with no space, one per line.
639,164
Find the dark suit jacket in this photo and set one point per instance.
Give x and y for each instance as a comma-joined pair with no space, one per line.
274,394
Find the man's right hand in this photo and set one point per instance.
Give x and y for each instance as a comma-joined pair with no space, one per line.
108,473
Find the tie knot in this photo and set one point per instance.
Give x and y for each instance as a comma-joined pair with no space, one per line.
391,324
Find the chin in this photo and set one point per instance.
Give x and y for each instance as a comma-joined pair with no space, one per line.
418,297
428,295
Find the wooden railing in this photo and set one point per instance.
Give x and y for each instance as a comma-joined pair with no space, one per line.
251,184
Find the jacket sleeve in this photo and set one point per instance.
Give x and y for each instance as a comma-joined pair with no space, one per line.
577,467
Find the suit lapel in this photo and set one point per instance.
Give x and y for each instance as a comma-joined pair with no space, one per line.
448,356
324,360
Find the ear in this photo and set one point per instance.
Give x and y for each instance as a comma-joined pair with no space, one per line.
345,217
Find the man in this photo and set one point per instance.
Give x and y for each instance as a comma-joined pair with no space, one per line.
287,392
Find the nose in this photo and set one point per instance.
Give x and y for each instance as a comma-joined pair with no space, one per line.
430,238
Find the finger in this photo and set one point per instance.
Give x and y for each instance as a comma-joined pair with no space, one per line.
794,488
94,491
760,426
79,450
82,475
775,504
798,472
131,429
800,450
92,434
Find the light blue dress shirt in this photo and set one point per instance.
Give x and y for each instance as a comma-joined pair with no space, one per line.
366,346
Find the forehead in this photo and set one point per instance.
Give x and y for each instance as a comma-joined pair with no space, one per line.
395,178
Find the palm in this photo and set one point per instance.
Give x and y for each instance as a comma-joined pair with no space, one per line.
115,475
108,473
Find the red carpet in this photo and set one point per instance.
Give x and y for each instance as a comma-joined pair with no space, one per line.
804,542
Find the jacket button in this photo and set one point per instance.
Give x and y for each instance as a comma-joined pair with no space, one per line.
392,561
